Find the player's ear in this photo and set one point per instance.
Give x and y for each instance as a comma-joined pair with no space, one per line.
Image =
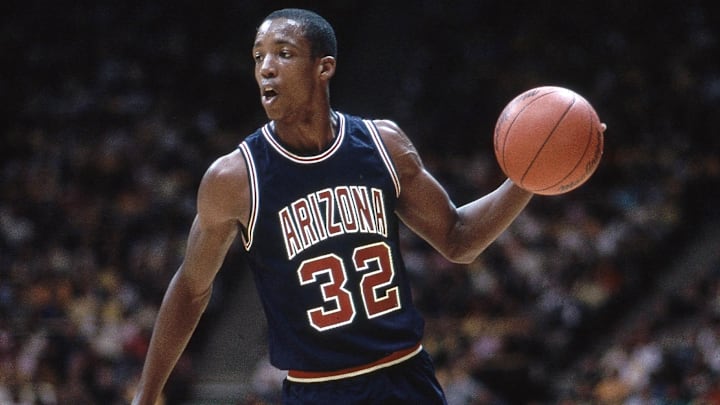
327,67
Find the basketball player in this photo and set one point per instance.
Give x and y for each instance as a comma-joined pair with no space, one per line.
316,196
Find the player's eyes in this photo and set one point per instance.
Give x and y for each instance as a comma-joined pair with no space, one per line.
284,54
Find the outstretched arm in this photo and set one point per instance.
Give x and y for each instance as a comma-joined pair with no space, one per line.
460,234
219,213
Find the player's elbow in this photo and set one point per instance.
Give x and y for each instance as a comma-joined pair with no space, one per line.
461,257
461,253
194,289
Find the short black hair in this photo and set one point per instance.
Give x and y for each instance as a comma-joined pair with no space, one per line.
315,29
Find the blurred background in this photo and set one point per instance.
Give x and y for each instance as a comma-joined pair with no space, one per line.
111,112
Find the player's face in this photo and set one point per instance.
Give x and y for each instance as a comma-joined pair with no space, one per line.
286,72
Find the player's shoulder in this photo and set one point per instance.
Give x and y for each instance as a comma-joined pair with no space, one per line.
395,139
232,168
223,191
387,127
402,152
229,165
226,172
389,131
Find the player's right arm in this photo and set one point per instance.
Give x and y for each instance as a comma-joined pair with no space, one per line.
222,205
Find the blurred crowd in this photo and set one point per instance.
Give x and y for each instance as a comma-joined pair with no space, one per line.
669,355
112,112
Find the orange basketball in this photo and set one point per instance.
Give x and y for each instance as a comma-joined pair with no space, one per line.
548,140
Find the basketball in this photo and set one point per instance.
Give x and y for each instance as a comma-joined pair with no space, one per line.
548,140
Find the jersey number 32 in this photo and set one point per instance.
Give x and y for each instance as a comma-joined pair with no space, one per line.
379,297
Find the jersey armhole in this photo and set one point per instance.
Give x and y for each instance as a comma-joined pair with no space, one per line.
375,134
247,235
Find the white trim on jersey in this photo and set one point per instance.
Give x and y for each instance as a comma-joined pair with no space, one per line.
254,195
387,361
384,154
268,134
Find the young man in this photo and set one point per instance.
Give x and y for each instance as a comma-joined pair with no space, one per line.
316,196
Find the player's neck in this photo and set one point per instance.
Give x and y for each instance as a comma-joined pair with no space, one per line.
308,136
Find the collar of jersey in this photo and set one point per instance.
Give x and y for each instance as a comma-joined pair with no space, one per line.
269,134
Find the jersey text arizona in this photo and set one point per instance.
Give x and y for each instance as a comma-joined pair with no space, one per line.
332,212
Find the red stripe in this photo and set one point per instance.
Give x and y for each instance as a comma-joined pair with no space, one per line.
298,374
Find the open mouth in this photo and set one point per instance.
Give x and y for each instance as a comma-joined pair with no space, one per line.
268,94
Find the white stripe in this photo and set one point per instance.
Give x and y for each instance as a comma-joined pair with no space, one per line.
254,196
384,154
357,372
307,159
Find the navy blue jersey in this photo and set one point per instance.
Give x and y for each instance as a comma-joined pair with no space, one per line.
322,242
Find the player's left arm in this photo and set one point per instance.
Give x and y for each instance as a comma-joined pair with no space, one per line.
458,233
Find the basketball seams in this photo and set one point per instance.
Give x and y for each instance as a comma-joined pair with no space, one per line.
515,118
581,157
547,139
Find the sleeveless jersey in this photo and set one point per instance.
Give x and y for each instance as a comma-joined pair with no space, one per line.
322,243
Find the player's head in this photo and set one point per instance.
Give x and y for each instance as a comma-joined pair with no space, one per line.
294,62
314,28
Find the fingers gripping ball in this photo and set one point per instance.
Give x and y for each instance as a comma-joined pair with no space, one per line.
548,140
